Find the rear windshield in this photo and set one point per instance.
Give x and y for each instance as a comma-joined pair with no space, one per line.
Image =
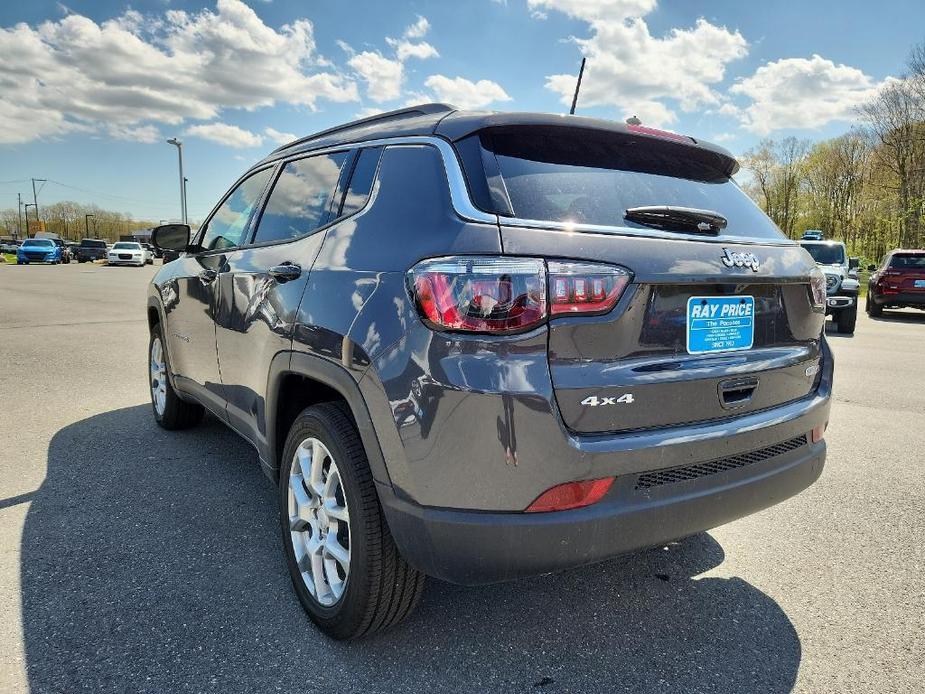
93,244
908,261
37,242
826,254
588,177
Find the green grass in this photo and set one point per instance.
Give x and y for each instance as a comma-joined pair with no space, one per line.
10,257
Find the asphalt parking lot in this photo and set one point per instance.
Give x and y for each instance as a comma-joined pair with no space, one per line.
133,559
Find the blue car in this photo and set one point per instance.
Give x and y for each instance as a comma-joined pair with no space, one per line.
38,251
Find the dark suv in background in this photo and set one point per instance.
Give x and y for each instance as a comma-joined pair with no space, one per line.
485,346
91,249
899,282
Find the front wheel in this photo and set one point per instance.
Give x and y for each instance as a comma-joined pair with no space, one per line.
169,410
846,320
344,565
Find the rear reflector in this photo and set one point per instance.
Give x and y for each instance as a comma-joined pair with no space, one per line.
571,495
818,432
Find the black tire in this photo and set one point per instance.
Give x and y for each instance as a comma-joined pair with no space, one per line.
177,414
846,320
381,589
874,309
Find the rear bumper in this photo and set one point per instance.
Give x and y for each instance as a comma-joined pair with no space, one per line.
900,299
474,548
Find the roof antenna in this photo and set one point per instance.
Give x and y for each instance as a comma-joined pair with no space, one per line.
581,72
633,120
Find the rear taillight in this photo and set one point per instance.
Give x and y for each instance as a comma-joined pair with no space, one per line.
817,290
584,287
504,295
480,294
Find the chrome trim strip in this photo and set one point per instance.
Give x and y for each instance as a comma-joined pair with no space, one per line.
459,192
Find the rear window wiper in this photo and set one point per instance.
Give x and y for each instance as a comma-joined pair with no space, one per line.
673,218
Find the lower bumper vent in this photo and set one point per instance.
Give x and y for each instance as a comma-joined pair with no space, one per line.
670,475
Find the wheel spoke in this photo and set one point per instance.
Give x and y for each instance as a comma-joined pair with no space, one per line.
337,512
334,550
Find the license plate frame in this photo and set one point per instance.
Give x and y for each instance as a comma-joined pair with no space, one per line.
710,328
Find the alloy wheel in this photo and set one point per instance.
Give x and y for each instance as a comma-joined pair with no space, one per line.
319,522
158,374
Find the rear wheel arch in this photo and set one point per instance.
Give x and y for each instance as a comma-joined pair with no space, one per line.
297,380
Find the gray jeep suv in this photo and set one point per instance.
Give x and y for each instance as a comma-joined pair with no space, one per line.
482,346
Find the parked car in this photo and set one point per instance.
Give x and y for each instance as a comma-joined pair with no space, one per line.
899,282
813,235
841,281
65,250
127,253
9,246
487,346
38,251
91,249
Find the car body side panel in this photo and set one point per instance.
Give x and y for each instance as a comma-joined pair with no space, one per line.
189,305
254,319
356,303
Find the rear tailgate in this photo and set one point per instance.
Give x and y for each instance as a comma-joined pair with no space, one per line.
660,357
640,348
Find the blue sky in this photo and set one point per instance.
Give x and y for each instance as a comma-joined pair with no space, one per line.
90,90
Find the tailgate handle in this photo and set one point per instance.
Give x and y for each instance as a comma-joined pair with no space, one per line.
737,392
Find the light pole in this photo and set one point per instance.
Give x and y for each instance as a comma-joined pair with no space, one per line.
179,145
87,224
35,198
26,206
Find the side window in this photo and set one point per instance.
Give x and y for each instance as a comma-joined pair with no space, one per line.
299,200
361,182
227,226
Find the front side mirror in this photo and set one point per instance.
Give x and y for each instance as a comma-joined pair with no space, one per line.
171,237
854,263
871,268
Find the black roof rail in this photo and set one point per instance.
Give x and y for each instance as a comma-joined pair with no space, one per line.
419,110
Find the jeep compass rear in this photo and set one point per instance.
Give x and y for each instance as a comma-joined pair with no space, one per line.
487,346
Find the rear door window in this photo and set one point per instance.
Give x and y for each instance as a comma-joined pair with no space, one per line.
299,201
592,177
361,182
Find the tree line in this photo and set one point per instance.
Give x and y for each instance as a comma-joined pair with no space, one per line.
69,220
866,187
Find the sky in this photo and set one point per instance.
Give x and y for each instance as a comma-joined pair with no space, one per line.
90,91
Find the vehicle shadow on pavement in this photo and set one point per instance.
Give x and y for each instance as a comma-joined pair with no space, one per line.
889,316
151,561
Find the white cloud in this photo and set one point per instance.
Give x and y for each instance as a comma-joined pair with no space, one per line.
142,133
384,76
635,72
421,50
464,93
280,138
225,134
802,93
75,74
419,29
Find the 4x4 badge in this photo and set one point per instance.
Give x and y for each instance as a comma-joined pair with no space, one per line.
733,259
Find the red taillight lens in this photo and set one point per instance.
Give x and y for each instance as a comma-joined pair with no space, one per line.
655,132
502,295
585,287
571,495
481,294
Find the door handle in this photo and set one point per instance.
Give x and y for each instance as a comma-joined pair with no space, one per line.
207,276
737,392
285,272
